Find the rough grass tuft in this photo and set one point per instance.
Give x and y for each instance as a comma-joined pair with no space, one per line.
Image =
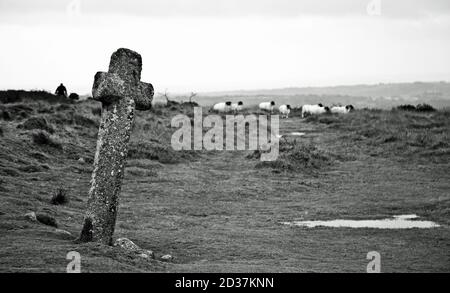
295,156
397,133
96,111
35,123
43,138
425,108
418,108
5,115
60,197
86,121
407,107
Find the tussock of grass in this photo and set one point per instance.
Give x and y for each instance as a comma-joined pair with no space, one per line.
63,107
15,111
323,119
295,156
43,138
70,118
9,172
5,115
418,108
60,197
86,121
97,111
399,133
406,108
37,123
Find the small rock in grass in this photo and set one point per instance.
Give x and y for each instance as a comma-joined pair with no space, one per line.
63,232
31,216
129,246
47,220
166,258
147,254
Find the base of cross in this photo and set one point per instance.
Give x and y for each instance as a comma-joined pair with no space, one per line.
86,232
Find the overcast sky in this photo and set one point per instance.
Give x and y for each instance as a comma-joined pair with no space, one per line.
207,45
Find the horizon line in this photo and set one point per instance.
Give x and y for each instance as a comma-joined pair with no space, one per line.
259,89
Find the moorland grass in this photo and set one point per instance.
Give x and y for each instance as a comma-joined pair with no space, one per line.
216,212
396,133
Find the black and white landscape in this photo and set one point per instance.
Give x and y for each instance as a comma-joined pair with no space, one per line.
91,179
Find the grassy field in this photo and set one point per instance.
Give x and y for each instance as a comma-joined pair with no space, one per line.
222,211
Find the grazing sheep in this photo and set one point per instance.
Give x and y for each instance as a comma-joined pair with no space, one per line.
314,110
285,110
223,107
267,106
342,109
237,107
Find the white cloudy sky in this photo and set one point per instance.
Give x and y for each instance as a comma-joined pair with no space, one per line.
207,45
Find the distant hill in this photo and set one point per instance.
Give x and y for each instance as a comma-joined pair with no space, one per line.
416,89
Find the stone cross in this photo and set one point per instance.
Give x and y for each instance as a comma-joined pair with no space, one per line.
121,92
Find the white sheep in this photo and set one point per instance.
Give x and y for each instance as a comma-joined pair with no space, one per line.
314,110
223,107
285,110
342,109
267,106
237,107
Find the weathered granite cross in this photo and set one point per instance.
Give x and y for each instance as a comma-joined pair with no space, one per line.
120,91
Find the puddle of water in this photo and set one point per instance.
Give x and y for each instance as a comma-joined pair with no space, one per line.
397,222
406,217
297,133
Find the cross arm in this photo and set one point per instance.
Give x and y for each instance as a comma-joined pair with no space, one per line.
143,96
110,87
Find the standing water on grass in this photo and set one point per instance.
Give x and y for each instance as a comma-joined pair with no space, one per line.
297,133
397,222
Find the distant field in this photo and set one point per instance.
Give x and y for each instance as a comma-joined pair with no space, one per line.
222,211
384,96
299,100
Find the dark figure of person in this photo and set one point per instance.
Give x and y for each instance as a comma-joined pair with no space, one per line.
61,90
